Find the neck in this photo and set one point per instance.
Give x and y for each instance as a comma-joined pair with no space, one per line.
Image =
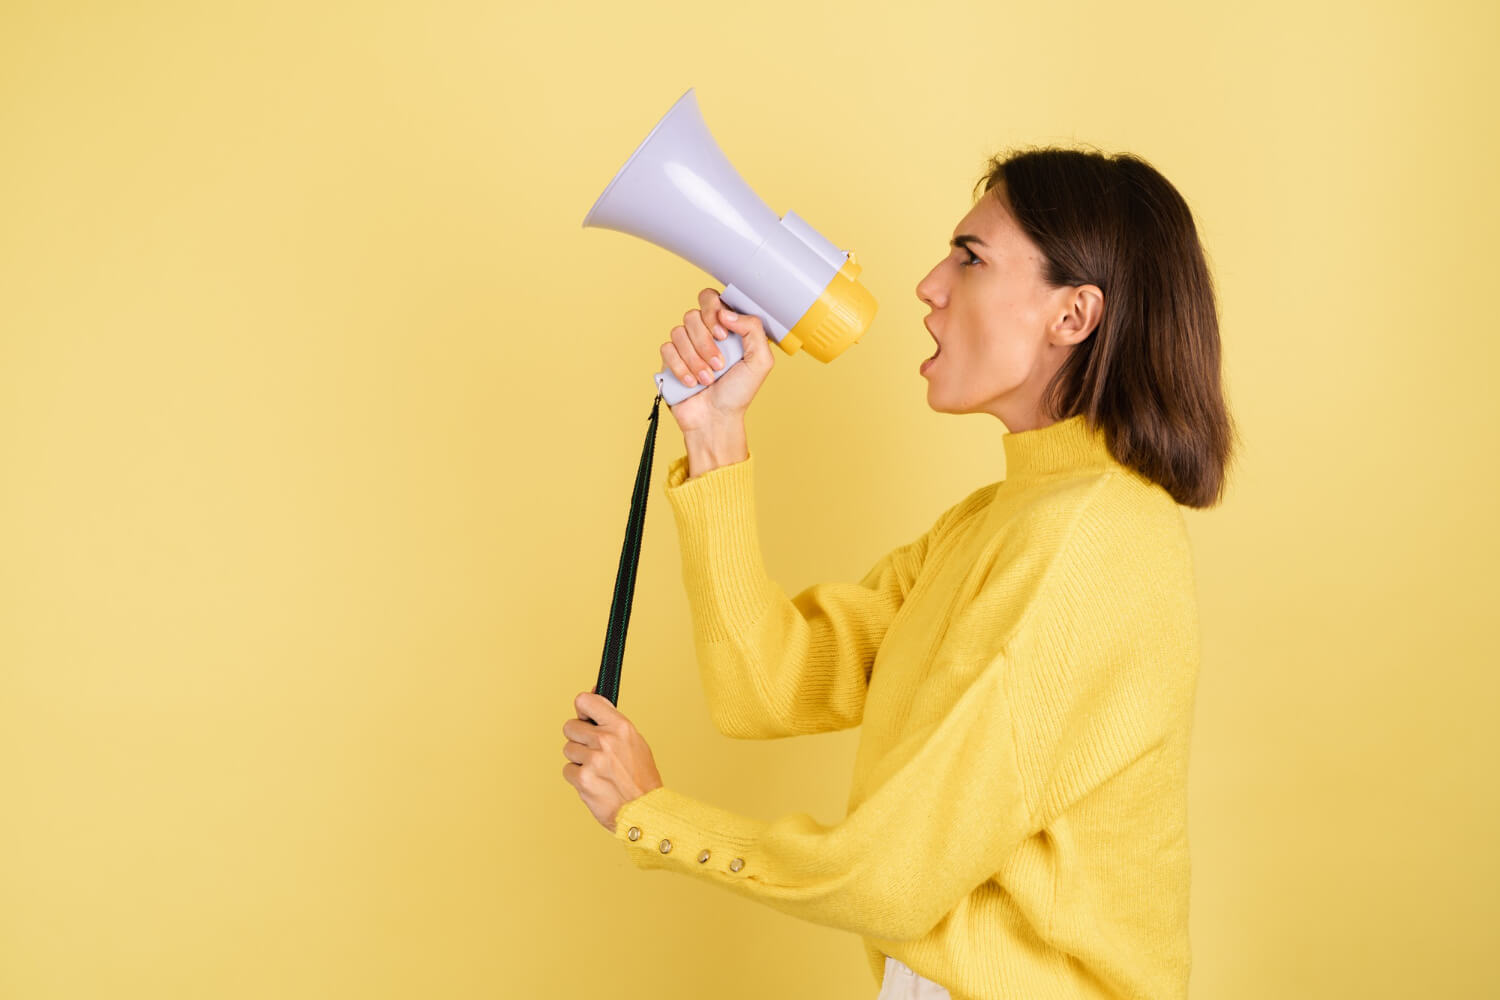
1066,445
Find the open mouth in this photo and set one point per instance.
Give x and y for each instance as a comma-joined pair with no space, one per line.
929,362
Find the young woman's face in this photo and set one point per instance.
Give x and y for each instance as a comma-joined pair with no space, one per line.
1001,332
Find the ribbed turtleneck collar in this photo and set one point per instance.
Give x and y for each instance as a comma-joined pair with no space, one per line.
1062,446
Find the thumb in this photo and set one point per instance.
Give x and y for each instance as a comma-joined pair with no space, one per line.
748,327
594,707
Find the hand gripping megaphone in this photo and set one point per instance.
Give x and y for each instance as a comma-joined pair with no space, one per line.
678,191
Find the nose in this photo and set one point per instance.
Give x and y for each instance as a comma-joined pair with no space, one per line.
928,290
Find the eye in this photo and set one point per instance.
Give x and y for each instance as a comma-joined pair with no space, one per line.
974,259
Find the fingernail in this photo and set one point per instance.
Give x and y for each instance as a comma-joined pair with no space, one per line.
716,361
705,376
719,332
727,314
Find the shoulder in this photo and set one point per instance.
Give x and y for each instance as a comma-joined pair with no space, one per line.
1128,558
1109,507
1108,539
1136,522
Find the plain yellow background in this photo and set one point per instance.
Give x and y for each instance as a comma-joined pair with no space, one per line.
319,415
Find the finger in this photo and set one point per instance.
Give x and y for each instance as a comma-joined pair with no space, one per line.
703,342
709,304
672,359
598,708
688,356
749,327
580,731
578,753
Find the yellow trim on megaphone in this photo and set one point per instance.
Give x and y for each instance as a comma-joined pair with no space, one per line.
839,317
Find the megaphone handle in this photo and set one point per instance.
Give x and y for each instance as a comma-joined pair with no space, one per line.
674,392
732,347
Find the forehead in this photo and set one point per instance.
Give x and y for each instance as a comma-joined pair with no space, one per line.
990,221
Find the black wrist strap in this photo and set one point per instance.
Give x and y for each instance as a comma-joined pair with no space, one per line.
619,608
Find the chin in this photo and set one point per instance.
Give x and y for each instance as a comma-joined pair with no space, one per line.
935,400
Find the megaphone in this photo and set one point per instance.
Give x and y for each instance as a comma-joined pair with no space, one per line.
677,190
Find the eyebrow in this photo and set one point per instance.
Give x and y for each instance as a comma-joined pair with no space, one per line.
962,238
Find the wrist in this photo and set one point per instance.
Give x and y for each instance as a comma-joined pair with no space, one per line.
715,445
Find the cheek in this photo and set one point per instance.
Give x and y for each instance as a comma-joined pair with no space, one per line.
1011,354
994,363
996,348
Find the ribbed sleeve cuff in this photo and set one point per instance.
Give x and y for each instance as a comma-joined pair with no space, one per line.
722,571
666,829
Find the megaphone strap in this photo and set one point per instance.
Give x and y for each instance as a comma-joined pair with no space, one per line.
619,608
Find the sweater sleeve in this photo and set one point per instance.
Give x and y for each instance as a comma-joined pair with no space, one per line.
934,830
773,665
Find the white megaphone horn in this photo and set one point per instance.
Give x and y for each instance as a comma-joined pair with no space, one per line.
678,191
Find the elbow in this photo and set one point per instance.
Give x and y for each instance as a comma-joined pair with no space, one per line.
914,921
900,924
905,909
743,725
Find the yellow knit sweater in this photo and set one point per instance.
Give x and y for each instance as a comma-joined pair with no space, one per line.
1023,675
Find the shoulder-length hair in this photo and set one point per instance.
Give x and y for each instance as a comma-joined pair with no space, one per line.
1149,373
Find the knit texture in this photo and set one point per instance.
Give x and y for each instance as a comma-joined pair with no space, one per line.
1023,675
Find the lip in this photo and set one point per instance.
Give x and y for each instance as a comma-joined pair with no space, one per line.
928,363
934,338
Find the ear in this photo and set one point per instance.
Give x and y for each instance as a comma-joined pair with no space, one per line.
1081,309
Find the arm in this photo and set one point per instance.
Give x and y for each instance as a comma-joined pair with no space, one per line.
1097,672
939,826
774,665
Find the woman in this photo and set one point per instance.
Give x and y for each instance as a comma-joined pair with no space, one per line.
1024,672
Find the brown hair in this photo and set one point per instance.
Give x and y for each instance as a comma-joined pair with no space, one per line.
1149,373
